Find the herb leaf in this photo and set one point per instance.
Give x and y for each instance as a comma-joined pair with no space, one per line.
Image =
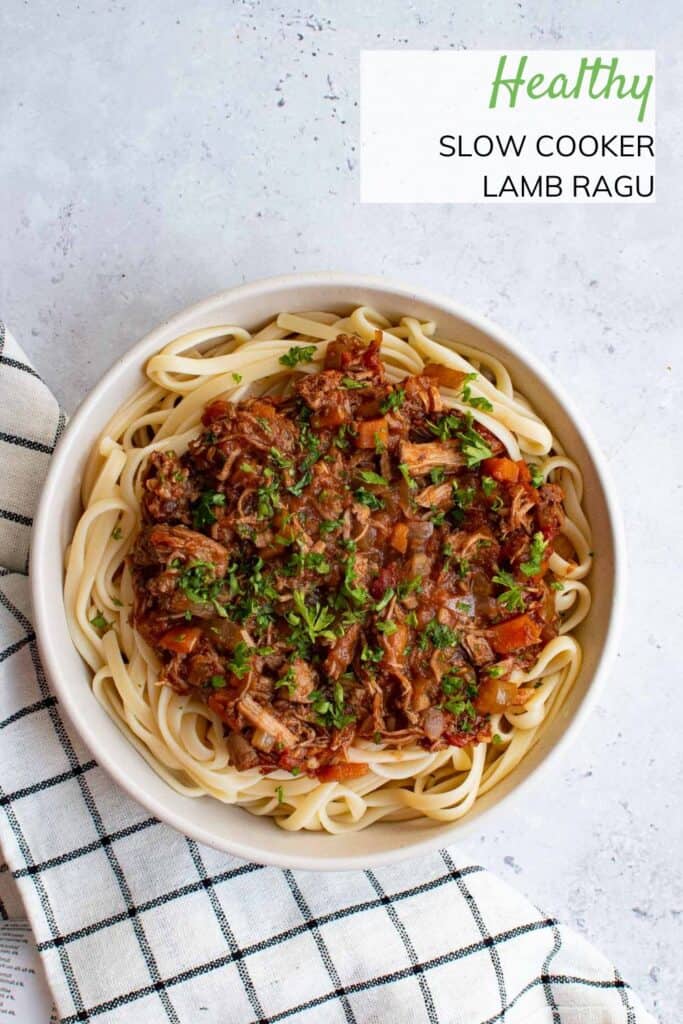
330,712
438,635
538,546
473,446
202,510
369,477
241,659
368,498
512,597
469,399
537,477
99,621
394,400
298,354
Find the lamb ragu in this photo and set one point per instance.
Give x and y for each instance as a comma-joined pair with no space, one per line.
352,560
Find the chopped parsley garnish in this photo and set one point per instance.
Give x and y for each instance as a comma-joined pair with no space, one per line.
454,682
341,441
368,498
557,585
352,384
469,399
280,793
310,624
388,627
237,377
279,459
350,587
405,473
368,477
267,495
287,682
371,654
413,586
446,427
439,635
437,474
329,525
313,560
488,485
240,662
537,477
538,546
385,599
394,400
460,692
462,499
199,584
511,597
330,712
472,445
117,533
298,354
495,671
99,621
218,682
298,488
203,510
311,446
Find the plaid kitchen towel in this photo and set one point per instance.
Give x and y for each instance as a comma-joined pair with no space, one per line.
136,923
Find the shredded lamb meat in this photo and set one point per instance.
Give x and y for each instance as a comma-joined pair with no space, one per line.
354,560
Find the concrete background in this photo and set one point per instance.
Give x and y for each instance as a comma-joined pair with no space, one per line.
155,152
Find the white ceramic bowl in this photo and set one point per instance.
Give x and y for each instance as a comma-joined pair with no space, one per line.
232,829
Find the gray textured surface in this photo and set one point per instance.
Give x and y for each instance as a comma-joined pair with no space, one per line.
154,153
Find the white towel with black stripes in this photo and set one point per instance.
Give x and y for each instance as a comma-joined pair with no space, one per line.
136,924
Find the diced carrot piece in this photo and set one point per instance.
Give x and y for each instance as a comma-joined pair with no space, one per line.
342,772
504,470
444,375
180,640
524,473
333,416
215,411
264,409
514,634
399,538
372,431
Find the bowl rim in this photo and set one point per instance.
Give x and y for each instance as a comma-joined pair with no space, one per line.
45,526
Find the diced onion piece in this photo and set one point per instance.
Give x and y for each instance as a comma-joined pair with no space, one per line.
434,723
